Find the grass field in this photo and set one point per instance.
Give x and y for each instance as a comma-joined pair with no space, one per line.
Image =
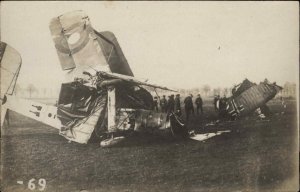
254,156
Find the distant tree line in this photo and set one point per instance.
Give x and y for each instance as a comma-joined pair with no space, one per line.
206,91
31,91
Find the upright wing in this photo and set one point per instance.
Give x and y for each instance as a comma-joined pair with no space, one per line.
113,53
10,64
10,61
80,48
76,44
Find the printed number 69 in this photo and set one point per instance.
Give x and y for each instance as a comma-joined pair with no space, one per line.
41,182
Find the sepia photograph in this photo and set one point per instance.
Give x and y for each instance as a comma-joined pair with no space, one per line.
108,96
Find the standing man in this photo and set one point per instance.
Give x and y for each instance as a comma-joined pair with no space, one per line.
163,104
170,104
158,103
217,97
177,107
188,105
222,107
199,104
155,104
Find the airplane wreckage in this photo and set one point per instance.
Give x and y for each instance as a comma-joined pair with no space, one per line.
247,98
100,98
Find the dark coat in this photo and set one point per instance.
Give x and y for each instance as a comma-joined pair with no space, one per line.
177,104
171,104
188,102
198,101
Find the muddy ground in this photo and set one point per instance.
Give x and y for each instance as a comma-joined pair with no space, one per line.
255,156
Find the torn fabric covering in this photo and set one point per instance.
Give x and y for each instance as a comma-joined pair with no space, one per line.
83,109
81,129
83,112
134,97
79,109
76,99
128,95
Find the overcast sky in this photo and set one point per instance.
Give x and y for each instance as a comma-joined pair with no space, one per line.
176,44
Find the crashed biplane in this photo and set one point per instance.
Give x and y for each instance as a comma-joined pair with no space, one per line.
100,98
247,98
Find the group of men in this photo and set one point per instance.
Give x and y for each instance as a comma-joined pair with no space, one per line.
173,104
168,106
